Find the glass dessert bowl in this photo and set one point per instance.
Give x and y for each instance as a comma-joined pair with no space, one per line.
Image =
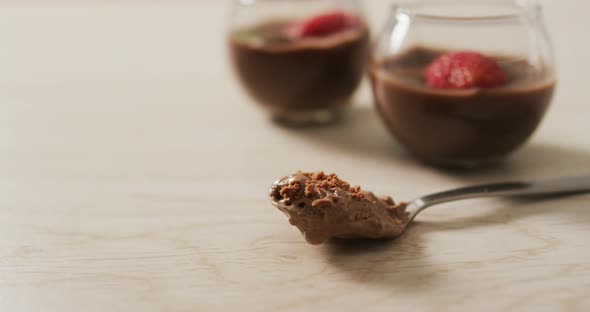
461,82
301,60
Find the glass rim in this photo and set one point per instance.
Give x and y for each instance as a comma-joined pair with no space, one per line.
517,9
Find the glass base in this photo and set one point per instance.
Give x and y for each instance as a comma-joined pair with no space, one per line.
467,165
312,118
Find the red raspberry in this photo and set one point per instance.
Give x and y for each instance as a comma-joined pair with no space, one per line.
323,25
463,70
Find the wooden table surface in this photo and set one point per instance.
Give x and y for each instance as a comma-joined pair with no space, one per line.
134,172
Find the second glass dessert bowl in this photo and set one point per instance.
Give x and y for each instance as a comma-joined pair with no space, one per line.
301,60
462,82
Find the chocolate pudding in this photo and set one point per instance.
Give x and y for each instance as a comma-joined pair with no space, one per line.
459,126
322,206
293,76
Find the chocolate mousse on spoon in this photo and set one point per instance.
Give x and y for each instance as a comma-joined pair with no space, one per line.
322,206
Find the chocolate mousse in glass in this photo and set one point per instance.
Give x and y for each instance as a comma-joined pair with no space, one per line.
301,60
463,85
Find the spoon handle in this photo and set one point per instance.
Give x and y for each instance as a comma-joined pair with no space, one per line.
571,185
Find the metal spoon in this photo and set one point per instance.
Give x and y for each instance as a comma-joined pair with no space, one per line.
562,186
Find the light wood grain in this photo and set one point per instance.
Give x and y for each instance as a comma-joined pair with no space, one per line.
133,177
